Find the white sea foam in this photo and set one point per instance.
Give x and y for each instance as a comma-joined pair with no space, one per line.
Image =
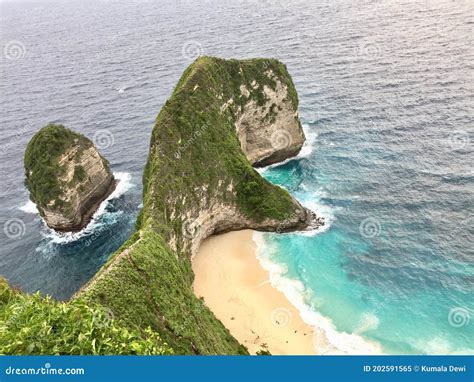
312,202
439,345
328,340
123,185
29,208
308,147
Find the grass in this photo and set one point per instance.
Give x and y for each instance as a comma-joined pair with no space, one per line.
195,157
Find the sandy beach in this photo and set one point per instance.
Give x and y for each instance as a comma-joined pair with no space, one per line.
237,289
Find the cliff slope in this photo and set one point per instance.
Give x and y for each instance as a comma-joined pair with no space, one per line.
66,176
223,116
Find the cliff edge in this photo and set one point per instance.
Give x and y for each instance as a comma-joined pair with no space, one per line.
223,116
66,176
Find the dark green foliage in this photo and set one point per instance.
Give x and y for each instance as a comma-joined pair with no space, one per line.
259,199
180,159
79,174
30,324
42,169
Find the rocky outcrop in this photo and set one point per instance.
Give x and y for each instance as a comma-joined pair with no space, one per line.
263,112
223,117
269,132
218,217
67,177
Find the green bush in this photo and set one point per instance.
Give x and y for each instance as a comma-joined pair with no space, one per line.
79,174
31,324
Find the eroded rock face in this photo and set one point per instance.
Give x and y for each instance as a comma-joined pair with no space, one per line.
215,216
271,132
67,177
85,196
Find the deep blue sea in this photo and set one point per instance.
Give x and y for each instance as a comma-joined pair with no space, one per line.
386,99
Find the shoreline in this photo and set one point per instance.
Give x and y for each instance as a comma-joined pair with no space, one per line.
237,289
123,182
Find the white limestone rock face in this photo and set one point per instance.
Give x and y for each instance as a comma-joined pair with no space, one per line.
270,133
84,197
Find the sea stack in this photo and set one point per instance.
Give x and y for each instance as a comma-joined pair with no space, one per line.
66,176
266,117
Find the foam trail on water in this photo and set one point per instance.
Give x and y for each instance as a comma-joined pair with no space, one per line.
123,185
327,340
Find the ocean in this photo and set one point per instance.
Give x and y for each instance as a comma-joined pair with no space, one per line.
386,100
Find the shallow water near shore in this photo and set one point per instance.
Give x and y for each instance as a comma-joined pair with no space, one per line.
386,99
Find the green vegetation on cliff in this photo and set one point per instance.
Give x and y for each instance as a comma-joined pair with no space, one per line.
180,160
153,288
42,169
30,324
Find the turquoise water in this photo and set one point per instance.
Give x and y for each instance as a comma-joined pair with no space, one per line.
393,265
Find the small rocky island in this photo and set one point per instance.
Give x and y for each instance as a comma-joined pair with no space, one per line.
66,176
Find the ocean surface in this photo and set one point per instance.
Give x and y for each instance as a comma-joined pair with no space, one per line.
386,99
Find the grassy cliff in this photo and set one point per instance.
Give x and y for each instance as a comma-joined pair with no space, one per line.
196,178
